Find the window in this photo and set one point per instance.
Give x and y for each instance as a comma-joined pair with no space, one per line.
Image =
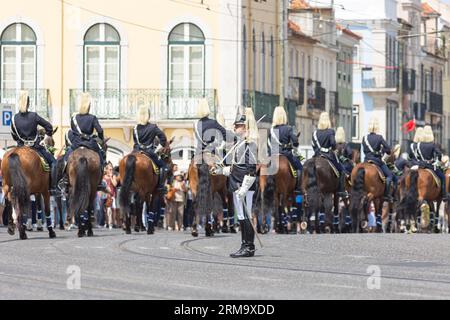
18,58
186,59
101,58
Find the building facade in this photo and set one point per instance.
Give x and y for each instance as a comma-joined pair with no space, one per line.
164,54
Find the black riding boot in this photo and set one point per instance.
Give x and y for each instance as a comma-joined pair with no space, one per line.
387,194
444,191
161,180
341,189
248,247
238,253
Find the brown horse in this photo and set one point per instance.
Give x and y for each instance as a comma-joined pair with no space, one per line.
24,175
84,172
422,192
139,185
203,186
320,185
277,190
368,187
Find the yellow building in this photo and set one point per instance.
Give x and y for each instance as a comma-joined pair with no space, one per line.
165,54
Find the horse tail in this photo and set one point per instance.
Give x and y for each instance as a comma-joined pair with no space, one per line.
312,188
268,196
357,192
125,191
203,199
82,188
19,190
409,201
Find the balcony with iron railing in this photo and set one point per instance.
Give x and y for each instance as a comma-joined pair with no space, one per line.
163,104
384,80
264,104
39,100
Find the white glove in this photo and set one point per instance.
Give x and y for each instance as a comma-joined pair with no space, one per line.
221,171
158,148
247,183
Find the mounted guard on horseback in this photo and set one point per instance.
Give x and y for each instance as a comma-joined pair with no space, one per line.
82,134
374,147
24,130
144,137
282,139
210,138
429,157
324,145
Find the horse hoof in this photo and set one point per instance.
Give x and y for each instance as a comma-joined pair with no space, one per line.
11,230
136,229
51,233
194,234
90,234
81,234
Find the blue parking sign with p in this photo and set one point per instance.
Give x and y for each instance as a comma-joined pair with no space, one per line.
6,117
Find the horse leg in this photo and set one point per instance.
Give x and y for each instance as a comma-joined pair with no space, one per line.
195,219
48,217
90,212
151,207
378,214
337,218
11,225
22,218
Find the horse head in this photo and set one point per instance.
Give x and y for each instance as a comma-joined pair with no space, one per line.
166,155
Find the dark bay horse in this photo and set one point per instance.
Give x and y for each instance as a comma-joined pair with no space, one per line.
422,192
320,185
139,185
276,190
24,175
203,186
84,172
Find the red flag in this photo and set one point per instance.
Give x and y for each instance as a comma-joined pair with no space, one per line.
410,125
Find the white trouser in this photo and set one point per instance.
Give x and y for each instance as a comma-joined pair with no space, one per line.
239,206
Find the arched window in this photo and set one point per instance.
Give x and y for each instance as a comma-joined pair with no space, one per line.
263,63
101,58
186,59
18,59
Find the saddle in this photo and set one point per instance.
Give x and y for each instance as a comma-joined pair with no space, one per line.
154,166
435,177
336,172
380,172
44,164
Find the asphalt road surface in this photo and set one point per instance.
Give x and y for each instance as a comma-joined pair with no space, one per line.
171,265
